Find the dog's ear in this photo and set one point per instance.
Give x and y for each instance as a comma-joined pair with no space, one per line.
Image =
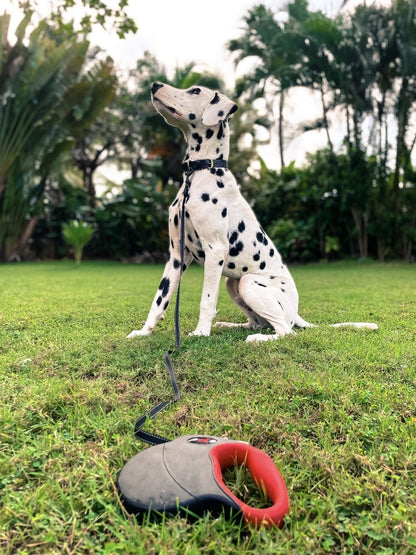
219,109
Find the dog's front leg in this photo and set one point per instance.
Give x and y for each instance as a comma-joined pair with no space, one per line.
214,261
167,288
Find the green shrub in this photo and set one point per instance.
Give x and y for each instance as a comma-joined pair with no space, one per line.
77,234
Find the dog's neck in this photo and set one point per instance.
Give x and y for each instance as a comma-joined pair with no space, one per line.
212,142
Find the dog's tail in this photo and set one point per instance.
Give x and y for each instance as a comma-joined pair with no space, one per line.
301,323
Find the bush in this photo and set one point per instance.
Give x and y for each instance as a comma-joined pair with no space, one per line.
77,234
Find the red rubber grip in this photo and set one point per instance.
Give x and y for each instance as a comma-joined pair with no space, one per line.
265,474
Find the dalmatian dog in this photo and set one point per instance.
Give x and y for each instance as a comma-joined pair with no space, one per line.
221,231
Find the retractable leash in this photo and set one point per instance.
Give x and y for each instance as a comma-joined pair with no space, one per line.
186,473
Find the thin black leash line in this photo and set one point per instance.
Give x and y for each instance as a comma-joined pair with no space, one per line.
154,439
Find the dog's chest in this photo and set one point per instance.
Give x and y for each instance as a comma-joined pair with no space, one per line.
217,215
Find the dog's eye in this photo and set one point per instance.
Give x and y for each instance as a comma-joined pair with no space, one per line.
195,90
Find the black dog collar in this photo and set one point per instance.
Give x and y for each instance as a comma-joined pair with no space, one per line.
204,164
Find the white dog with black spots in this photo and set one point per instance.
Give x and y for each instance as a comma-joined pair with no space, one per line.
221,230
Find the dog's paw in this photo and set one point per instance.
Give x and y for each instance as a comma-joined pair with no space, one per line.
199,333
231,325
139,333
256,337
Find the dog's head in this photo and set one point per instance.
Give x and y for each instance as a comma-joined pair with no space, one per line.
193,107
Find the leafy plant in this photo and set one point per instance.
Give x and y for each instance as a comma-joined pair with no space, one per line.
77,234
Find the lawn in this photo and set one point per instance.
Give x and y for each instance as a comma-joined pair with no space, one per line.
334,408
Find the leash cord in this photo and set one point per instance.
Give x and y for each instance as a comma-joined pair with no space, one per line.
154,439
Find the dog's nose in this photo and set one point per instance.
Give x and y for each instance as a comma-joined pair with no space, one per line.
156,87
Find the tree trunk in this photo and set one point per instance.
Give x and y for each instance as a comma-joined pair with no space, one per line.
281,143
3,183
325,117
360,221
402,121
381,249
24,238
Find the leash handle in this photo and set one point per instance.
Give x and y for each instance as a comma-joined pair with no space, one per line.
186,474
264,473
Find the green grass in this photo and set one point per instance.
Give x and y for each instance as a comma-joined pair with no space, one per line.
334,408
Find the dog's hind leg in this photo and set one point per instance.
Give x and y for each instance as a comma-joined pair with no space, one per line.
276,305
254,321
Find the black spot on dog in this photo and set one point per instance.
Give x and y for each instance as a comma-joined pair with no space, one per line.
220,114
172,244
192,116
176,220
244,269
214,201
233,237
220,172
260,284
164,286
221,262
235,251
176,264
231,265
262,265
271,252
205,197
197,137
256,257
216,99
281,306
220,184
166,305
209,133
241,227
190,238
158,301
259,237
224,213
283,290
175,202
201,253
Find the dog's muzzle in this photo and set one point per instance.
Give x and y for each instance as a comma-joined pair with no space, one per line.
156,87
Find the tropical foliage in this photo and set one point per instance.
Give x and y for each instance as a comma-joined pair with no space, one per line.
362,66
77,235
63,117
48,98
